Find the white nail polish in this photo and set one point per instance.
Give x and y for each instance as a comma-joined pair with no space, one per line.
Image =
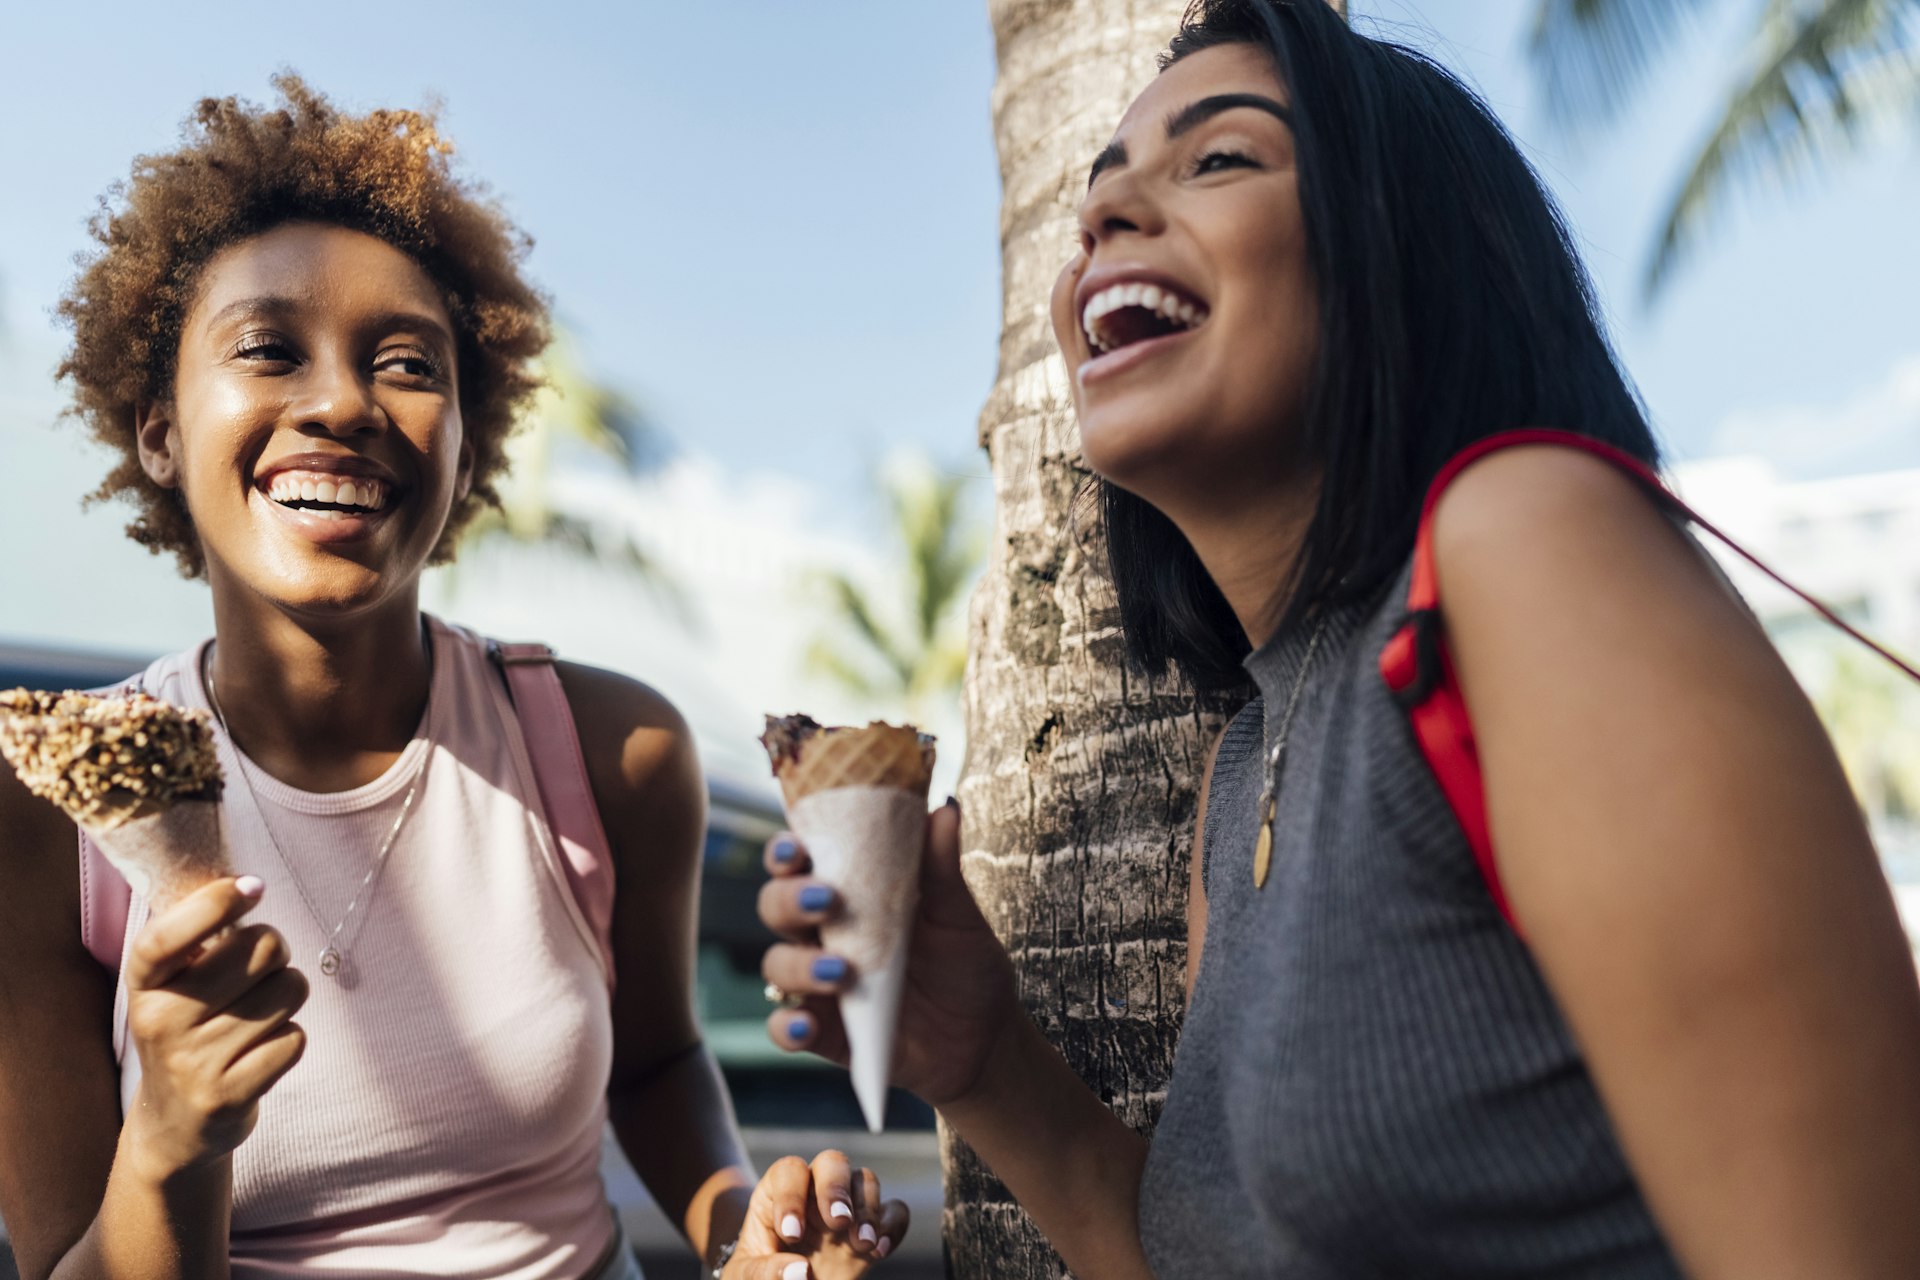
790,1226
794,1271
884,1248
867,1232
840,1209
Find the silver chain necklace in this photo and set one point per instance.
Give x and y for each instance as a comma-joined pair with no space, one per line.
333,956
1273,753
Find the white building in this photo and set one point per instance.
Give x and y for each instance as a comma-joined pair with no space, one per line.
1854,543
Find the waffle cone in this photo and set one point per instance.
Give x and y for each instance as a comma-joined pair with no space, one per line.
166,855
878,755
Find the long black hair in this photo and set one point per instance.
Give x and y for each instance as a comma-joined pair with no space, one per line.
1452,306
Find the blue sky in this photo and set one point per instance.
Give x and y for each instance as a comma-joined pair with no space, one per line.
775,223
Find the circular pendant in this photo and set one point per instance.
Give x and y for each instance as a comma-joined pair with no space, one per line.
330,962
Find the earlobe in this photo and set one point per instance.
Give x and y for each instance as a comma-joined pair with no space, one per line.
463,481
153,436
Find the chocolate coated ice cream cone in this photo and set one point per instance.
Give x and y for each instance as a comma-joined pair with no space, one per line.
139,775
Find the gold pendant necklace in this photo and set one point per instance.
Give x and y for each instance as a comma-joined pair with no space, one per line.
334,955
1273,753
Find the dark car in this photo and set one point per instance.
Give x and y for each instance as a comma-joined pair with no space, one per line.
788,1104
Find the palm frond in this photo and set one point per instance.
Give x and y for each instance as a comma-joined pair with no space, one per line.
1820,74
929,513
942,668
573,405
831,661
590,541
920,641
1590,55
850,605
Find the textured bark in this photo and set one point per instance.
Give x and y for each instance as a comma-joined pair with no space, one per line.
1081,776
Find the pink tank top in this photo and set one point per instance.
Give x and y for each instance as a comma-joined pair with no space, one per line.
446,1119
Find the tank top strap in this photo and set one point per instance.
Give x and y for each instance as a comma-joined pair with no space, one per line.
560,776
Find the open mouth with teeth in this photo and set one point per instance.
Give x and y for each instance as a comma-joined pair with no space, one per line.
326,495
1124,314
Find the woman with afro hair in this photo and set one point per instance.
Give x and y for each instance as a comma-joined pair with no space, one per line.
1532,930
306,340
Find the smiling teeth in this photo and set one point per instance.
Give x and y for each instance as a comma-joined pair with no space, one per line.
1164,302
311,486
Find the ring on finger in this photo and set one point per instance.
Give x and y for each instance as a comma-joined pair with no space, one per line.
777,994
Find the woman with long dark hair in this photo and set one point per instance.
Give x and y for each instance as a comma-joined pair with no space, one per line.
1533,928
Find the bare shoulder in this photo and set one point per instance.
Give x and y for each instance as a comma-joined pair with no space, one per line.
39,876
1529,509
1196,877
628,729
1206,780
1690,870
59,1109
647,784
639,751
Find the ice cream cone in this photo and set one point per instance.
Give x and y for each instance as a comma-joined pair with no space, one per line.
808,757
168,854
138,775
857,797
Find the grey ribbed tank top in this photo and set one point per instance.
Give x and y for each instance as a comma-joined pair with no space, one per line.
1373,1079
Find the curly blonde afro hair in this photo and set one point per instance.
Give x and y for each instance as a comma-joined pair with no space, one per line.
242,170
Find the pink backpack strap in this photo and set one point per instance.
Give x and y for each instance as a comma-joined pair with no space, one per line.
560,773
1419,670
105,899
105,896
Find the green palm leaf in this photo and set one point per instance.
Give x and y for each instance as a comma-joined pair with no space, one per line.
572,409
916,650
1592,54
1820,74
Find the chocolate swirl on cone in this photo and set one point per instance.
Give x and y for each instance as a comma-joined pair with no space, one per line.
809,757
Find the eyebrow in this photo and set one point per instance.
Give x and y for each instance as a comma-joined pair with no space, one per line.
260,305
1190,117
280,305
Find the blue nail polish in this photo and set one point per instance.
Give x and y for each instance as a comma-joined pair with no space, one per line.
799,1029
829,969
816,897
783,850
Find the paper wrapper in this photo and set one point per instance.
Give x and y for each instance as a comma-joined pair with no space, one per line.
138,775
867,843
857,798
167,855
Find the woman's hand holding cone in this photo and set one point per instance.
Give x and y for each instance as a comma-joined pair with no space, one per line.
210,1005
959,994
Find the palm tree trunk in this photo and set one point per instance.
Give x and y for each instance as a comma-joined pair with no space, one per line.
1082,776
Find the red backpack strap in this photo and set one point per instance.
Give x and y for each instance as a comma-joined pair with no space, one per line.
560,773
1419,670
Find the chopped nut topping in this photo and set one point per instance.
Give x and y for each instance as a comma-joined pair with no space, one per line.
104,760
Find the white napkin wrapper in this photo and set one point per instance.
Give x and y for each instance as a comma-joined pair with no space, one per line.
167,855
867,843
